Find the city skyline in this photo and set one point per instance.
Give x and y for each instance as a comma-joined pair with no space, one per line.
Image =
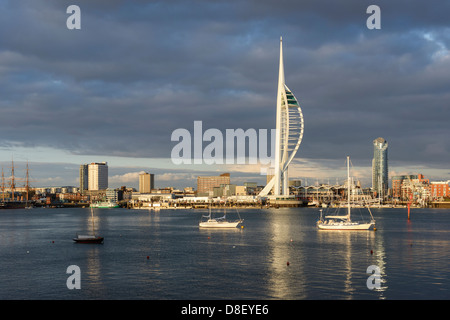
117,88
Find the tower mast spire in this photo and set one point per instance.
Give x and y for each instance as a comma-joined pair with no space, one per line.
288,136
278,137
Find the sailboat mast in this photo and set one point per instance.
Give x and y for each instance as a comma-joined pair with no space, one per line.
348,186
13,183
3,186
27,186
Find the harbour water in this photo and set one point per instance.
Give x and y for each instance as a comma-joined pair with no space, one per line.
278,255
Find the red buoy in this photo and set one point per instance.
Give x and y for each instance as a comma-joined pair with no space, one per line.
287,263
148,257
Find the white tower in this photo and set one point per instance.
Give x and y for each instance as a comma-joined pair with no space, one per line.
289,134
98,176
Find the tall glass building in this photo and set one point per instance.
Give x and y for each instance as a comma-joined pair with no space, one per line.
380,181
84,176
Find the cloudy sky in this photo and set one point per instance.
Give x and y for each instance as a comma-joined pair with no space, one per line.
116,89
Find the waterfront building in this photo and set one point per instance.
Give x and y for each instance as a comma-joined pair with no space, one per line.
146,182
205,185
84,177
397,185
380,171
410,187
439,189
295,183
112,194
250,188
224,190
98,176
227,190
289,134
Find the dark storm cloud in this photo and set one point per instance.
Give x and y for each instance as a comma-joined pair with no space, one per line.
137,70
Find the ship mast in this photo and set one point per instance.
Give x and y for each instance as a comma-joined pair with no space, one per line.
348,186
27,186
13,183
3,186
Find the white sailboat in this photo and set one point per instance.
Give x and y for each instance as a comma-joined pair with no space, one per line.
344,222
220,222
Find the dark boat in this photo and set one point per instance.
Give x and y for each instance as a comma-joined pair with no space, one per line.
13,205
88,239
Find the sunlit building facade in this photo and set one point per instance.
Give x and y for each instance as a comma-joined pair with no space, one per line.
146,182
380,169
98,176
206,185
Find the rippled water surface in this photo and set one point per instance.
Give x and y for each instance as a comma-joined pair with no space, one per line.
164,255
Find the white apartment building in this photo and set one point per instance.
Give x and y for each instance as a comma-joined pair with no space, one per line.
98,176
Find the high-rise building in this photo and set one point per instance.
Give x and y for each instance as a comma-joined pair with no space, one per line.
289,134
84,176
380,171
98,176
146,182
207,184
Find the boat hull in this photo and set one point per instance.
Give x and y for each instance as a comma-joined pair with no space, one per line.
219,224
104,205
345,226
88,239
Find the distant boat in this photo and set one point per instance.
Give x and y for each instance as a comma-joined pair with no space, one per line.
220,223
89,238
313,203
105,204
344,222
13,205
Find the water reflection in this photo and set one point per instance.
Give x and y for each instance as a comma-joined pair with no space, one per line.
322,264
91,278
93,272
379,254
92,222
348,254
286,260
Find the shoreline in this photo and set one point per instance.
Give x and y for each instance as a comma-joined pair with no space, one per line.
203,206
